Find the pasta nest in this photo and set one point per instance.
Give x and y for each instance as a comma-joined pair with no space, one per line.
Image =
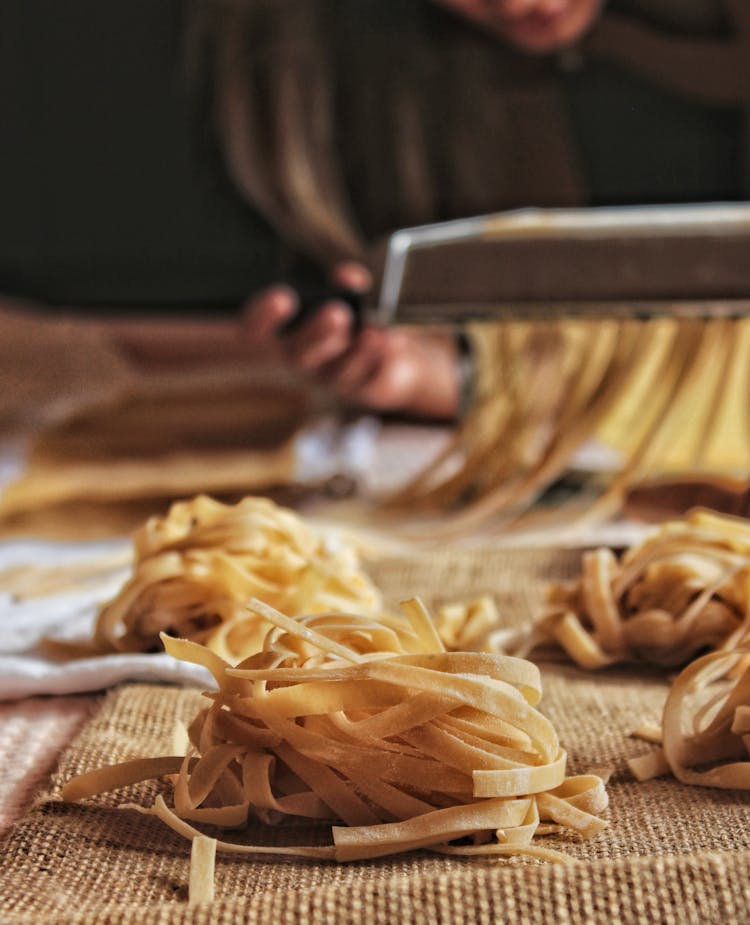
706,724
374,727
683,590
195,569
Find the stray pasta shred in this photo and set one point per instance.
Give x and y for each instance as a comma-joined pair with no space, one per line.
376,730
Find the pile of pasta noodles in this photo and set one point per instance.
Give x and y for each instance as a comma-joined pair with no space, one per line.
705,728
375,728
685,589
195,569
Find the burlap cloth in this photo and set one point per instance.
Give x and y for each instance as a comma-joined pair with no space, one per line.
671,854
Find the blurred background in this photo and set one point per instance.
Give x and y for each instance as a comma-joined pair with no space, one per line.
163,164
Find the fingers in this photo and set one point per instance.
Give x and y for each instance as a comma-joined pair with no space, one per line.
324,339
265,314
352,275
328,337
358,365
316,345
412,372
381,369
391,385
374,368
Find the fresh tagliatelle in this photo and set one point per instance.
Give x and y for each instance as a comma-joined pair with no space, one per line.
684,590
470,625
668,394
376,729
706,725
195,569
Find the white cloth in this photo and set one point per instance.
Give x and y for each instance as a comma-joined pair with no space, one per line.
27,675
26,671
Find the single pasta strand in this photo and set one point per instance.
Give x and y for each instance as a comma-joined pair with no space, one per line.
202,862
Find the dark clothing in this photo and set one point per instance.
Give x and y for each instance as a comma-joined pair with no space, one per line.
108,191
112,191
641,144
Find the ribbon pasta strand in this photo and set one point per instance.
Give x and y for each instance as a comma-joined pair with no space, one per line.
659,390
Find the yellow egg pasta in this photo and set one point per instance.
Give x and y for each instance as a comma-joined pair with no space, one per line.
667,395
706,725
684,590
195,569
375,730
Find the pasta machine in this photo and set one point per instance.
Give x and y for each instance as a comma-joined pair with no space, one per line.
629,261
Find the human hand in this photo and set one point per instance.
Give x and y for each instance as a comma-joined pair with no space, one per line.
384,369
536,26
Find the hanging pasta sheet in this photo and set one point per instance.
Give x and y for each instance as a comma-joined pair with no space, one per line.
668,394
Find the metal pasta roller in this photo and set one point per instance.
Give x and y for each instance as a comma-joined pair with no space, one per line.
689,261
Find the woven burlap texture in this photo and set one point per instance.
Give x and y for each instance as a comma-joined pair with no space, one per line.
671,854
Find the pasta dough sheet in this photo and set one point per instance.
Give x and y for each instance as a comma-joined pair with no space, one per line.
155,438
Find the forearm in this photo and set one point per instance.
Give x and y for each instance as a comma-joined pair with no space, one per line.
170,342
